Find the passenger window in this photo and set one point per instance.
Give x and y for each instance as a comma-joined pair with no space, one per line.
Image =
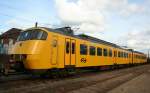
92,50
83,49
119,54
67,47
116,53
105,52
99,51
110,53
124,54
73,48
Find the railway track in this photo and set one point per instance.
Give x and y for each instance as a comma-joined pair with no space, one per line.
108,84
14,77
78,83
24,76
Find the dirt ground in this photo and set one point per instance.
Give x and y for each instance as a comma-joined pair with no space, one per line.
128,80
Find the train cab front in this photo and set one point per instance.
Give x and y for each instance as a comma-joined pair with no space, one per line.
29,49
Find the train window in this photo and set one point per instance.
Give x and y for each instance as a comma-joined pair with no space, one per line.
124,54
73,48
35,34
67,47
92,50
99,51
83,49
105,52
44,36
115,53
110,53
118,54
23,36
121,54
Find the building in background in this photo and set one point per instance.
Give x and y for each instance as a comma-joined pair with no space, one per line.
7,40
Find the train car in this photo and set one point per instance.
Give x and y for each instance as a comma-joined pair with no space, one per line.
43,49
139,57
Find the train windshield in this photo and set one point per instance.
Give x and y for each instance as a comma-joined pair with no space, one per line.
35,34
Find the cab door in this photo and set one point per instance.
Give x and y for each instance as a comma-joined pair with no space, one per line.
73,52
70,56
54,50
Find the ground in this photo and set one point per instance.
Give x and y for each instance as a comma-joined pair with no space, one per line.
127,80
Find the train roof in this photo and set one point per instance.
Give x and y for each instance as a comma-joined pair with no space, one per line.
138,52
69,32
96,40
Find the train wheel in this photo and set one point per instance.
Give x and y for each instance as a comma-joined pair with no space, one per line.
63,73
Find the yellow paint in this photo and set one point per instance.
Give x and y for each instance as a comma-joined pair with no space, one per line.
51,53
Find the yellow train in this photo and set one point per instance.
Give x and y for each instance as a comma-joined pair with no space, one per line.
41,48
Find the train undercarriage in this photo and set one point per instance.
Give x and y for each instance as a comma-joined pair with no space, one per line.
8,67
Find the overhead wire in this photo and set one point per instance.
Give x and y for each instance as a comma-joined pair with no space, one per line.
21,18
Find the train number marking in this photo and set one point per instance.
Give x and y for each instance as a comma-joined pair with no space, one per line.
83,60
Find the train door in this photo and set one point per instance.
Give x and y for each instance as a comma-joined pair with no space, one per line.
115,56
70,46
132,57
54,50
73,52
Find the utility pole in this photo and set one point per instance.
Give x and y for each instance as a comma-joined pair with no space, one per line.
148,53
148,56
36,24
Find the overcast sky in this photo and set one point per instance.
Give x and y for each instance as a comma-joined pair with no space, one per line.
124,22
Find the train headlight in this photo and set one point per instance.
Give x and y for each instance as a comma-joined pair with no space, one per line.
24,57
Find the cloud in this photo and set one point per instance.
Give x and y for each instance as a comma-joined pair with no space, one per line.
92,18
91,15
85,13
133,9
139,39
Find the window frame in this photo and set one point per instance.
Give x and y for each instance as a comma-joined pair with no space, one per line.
99,51
84,50
73,48
30,34
110,52
105,52
67,47
92,50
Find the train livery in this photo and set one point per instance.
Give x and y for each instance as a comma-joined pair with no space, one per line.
41,48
